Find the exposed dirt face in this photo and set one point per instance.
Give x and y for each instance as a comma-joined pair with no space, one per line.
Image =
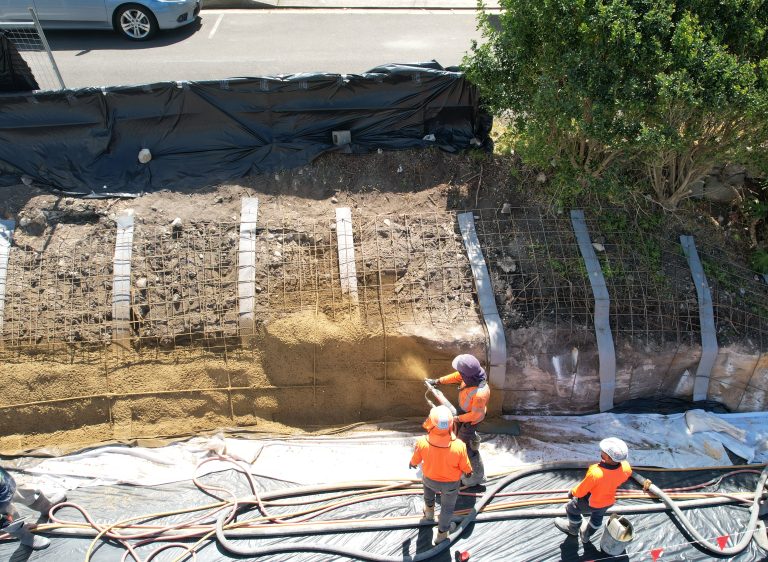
316,358
308,365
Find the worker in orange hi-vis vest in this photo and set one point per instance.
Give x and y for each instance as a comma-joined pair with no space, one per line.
444,459
474,394
597,492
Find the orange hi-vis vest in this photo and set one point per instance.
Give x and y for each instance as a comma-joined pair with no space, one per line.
443,464
473,400
601,483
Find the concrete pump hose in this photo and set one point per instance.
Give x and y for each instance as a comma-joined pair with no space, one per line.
357,554
754,512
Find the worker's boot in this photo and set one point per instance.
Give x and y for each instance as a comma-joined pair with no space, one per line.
441,536
43,504
586,531
565,525
20,531
429,513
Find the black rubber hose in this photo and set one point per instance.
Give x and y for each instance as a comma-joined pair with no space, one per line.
485,500
713,548
357,554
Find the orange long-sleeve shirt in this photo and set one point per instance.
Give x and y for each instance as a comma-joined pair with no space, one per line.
444,464
472,399
601,482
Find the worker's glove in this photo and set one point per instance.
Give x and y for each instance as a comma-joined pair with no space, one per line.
570,494
411,466
433,382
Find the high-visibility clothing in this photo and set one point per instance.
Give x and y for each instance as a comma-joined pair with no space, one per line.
444,464
473,400
601,483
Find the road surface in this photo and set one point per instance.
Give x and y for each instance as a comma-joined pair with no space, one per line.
232,43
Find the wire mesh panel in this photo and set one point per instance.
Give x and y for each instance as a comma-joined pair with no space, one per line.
413,269
60,296
184,287
31,44
739,299
297,268
537,271
653,297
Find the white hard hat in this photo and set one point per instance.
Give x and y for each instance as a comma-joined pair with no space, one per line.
615,448
441,417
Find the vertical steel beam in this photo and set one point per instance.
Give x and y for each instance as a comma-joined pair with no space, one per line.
246,266
605,347
346,244
497,342
706,320
6,236
121,279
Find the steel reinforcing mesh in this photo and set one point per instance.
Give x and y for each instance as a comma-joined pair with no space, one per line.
411,269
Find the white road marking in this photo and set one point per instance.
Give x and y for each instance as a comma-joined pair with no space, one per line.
216,26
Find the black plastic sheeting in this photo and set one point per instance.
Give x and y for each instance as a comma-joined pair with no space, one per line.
86,142
518,540
15,74
667,405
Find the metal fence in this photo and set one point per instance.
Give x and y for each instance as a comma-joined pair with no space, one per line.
29,39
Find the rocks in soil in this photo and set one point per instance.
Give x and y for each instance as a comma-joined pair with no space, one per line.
507,264
34,224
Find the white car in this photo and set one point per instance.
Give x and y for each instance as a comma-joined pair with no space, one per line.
134,20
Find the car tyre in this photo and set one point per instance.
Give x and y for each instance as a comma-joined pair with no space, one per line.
135,22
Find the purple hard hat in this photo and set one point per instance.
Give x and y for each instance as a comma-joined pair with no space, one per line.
468,366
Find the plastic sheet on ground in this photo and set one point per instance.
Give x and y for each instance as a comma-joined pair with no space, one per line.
114,485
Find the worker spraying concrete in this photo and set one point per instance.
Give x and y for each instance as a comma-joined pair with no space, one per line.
474,393
9,517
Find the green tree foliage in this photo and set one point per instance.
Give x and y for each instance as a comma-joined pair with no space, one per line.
667,87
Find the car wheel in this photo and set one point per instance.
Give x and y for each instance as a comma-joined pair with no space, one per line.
135,22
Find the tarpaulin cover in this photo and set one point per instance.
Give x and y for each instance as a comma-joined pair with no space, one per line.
87,141
15,74
511,540
114,483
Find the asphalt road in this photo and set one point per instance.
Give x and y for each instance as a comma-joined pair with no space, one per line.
232,43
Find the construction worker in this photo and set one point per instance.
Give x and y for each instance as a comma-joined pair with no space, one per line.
9,517
444,459
474,393
597,492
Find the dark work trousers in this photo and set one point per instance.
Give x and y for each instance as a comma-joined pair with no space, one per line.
449,493
580,506
468,434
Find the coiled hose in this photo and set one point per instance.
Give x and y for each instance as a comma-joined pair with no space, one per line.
357,554
754,511
485,499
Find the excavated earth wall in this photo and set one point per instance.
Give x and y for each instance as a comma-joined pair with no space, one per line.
318,358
